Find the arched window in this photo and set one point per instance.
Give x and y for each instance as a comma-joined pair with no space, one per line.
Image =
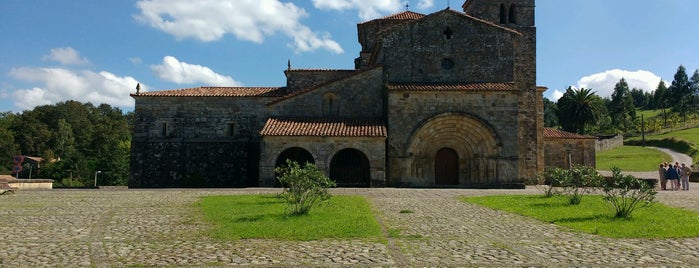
331,105
503,14
513,14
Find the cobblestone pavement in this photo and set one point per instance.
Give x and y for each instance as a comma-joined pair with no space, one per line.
144,228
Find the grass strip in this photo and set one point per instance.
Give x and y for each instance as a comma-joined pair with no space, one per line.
262,216
595,216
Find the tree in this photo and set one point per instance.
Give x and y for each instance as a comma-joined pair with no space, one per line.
694,89
661,99
578,108
550,111
304,186
680,93
621,108
8,147
641,99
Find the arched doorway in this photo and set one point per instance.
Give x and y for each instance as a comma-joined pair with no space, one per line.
350,168
297,154
446,167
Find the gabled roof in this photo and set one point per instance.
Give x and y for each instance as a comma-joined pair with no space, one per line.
405,15
216,92
325,127
451,87
321,70
552,133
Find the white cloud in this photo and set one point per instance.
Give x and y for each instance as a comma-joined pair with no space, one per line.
425,4
58,84
136,60
65,56
555,95
173,70
249,20
368,9
603,83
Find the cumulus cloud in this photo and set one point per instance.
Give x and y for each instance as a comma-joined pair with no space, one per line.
603,83
173,70
368,9
425,4
250,20
65,56
59,84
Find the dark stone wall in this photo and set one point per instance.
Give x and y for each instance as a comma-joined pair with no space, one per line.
193,164
304,79
449,47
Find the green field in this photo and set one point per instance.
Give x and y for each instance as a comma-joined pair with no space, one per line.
631,158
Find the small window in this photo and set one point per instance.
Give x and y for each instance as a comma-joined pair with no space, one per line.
163,130
503,14
447,64
331,105
230,130
448,33
513,13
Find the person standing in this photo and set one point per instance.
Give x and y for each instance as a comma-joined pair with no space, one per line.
672,177
686,172
661,177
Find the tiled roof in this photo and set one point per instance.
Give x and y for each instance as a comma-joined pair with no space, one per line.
560,134
321,70
324,127
216,92
452,87
405,15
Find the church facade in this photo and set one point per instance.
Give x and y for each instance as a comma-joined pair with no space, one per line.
447,99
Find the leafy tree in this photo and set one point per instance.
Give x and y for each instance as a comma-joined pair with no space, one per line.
621,108
694,89
641,99
8,147
305,186
578,108
550,111
626,193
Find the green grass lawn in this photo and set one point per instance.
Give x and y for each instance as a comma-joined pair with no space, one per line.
262,216
631,158
649,113
595,216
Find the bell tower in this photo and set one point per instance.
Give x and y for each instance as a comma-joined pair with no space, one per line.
508,13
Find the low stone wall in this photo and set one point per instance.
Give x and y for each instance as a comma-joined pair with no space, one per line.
31,184
606,143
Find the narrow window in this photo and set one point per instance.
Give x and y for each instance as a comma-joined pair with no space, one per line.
503,14
513,13
163,130
231,130
331,105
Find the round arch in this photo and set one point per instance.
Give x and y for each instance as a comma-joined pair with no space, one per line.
471,140
350,168
298,154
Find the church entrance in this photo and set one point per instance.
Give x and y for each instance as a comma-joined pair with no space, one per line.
350,168
446,167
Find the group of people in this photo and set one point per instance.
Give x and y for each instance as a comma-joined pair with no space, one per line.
677,175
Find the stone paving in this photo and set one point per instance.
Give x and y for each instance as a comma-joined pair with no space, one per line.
156,228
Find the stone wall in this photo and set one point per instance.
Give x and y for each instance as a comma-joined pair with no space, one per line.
303,79
494,113
361,95
562,152
323,149
607,143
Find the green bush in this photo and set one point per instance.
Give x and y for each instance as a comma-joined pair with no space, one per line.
626,193
574,182
303,187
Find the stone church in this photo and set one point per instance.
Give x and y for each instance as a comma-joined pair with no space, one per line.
447,99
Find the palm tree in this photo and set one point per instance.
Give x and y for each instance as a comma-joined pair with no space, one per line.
578,108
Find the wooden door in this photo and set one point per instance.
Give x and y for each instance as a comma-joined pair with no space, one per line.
446,167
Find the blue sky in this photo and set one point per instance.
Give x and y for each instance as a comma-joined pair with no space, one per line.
96,51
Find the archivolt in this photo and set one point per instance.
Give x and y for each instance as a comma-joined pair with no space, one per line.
467,135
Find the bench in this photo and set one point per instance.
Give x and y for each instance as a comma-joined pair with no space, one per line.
5,188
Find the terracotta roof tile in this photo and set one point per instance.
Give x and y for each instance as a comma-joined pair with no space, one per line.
453,87
216,92
560,134
405,15
332,127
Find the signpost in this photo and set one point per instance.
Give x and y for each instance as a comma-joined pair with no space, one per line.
17,167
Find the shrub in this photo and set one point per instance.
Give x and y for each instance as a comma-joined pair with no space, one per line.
627,193
303,187
579,181
549,180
